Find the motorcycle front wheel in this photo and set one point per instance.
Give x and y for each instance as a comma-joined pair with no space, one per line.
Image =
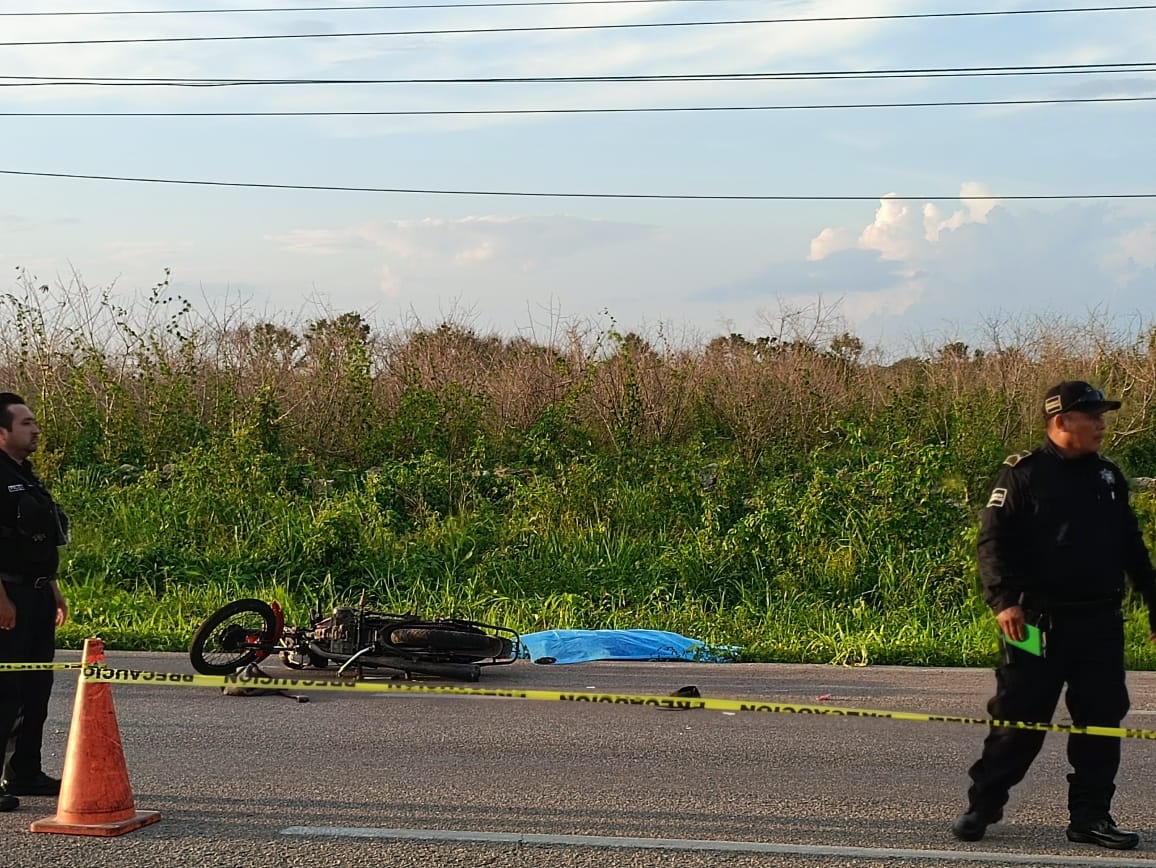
233,636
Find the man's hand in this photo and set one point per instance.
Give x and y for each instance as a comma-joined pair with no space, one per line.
7,612
1011,622
61,605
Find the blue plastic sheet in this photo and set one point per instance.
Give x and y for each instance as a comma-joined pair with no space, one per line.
583,646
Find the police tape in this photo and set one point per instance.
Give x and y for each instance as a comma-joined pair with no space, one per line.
106,674
32,667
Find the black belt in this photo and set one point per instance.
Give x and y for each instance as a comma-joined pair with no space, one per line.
34,581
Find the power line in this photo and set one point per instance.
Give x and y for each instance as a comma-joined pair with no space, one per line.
554,28
553,111
817,75
369,7
587,195
528,3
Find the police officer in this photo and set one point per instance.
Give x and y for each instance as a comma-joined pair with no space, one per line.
1057,540
32,526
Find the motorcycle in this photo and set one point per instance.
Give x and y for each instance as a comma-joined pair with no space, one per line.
356,639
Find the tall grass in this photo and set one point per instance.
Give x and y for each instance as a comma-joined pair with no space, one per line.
789,493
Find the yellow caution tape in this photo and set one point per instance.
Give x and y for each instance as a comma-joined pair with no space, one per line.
32,667
132,676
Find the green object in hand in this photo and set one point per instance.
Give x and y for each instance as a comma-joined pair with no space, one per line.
1032,642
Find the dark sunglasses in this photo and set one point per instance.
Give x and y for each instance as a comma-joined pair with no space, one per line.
1092,396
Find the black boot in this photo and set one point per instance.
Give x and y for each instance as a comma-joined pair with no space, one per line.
1103,833
972,825
38,784
8,803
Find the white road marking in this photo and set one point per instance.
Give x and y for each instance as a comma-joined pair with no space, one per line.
881,853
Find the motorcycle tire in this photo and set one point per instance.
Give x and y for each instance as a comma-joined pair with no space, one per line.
440,639
452,671
225,641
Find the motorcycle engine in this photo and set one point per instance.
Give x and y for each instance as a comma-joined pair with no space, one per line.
339,632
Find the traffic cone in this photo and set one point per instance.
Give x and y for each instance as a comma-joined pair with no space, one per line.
95,796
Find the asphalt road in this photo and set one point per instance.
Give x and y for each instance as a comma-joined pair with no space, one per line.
409,780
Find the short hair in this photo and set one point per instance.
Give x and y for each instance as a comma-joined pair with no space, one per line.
7,400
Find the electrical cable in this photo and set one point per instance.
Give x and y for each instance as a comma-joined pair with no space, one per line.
745,197
553,111
365,8
820,75
555,28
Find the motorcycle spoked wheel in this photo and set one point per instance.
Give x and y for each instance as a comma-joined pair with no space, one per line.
225,641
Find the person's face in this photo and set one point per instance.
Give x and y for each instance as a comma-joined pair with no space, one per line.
1082,432
24,437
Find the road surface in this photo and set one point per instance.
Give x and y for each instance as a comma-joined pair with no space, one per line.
411,780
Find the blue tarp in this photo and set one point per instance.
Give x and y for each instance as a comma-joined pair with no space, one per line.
582,646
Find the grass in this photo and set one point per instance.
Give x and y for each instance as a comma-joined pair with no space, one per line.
793,630
791,493
843,570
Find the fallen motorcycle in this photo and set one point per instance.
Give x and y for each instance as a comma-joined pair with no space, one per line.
356,639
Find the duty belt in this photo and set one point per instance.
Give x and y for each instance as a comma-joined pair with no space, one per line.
34,581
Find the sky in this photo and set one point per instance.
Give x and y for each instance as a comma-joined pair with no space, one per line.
874,231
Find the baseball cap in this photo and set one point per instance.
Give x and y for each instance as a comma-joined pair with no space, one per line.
1076,395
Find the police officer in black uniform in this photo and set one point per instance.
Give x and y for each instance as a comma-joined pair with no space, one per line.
32,526
1057,540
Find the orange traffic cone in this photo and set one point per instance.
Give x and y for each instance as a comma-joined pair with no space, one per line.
95,796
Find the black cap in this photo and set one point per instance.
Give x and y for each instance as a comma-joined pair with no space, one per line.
1076,395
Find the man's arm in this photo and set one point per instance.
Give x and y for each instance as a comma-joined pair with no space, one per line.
1000,547
1138,562
7,610
61,603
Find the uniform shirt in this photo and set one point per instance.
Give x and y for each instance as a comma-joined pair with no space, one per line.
1061,530
30,522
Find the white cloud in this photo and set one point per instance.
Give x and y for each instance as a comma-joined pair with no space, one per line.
894,232
830,241
901,230
985,260
893,302
483,251
468,241
1132,253
860,288
973,211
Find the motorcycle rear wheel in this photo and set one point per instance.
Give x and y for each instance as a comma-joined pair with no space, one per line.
432,638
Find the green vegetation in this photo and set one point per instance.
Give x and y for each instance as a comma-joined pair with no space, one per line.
791,494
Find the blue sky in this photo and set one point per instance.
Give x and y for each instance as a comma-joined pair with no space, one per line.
894,272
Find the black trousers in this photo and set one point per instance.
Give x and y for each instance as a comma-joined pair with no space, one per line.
1085,651
24,695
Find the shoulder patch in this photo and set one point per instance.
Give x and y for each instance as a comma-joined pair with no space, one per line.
1013,460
